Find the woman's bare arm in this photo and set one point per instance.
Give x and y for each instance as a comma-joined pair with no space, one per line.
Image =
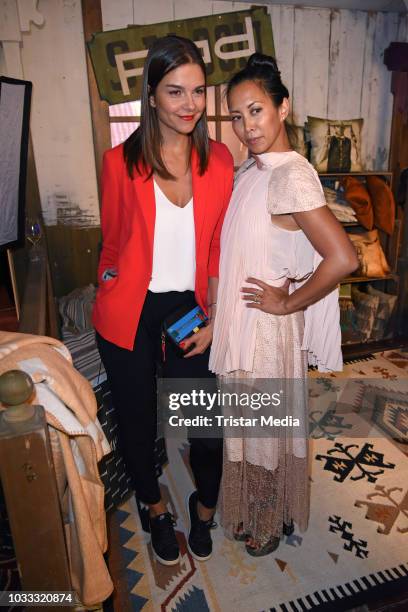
339,256
339,260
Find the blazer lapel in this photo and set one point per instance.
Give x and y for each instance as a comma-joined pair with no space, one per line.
144,195
200,184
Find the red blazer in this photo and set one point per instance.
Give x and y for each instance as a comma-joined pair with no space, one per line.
127,222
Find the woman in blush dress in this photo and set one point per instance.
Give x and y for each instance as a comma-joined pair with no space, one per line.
283,254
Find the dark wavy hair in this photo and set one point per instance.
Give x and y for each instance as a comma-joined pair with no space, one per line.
142,150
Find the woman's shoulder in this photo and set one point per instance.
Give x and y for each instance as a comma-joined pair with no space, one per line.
220,153
294,187
299,168
246,165
115,154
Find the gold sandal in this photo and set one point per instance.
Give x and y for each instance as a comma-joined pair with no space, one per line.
264,550
240,535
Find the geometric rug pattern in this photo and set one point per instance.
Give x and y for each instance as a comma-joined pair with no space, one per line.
356,543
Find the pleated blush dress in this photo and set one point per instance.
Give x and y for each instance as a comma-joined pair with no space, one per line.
265,480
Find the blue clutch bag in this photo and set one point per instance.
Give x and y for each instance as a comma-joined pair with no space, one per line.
183,323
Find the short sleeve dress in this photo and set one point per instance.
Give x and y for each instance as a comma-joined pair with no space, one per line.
265,481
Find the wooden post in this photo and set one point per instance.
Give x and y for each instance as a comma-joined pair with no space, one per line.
402,311
92,20
34,307
13,282
396,60
30,488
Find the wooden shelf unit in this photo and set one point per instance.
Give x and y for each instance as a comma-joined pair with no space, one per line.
362,173
390,245
358,350
369,279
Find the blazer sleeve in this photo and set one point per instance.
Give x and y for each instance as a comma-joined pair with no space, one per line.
110,215
214,258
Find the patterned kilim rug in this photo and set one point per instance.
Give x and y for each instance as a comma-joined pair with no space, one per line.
356,546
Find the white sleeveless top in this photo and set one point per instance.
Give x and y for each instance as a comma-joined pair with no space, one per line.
173,247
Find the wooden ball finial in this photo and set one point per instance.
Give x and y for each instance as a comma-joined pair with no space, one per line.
16,387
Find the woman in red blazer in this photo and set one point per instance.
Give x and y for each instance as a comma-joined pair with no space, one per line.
164,197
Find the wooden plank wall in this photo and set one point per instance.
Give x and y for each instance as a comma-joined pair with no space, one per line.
53,58
331,60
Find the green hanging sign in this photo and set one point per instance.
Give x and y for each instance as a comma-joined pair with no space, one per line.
226,41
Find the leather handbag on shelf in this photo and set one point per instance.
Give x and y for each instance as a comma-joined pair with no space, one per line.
372,261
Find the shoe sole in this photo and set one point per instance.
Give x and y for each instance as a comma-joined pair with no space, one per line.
192,553
164,561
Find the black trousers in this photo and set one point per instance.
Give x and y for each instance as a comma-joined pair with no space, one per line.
132,378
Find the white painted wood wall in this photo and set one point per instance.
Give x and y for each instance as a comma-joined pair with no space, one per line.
52,56
331,61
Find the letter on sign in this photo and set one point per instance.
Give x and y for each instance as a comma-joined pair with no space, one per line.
205,48
228,40
124,74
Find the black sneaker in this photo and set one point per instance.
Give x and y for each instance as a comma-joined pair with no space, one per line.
164,541
199,539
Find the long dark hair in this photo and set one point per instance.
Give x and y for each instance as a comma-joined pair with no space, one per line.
142,150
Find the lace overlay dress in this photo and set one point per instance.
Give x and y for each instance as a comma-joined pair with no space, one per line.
265,480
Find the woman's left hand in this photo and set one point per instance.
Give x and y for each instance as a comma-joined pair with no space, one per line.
272,300
200,341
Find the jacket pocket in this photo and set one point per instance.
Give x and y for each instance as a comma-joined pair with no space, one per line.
109,274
